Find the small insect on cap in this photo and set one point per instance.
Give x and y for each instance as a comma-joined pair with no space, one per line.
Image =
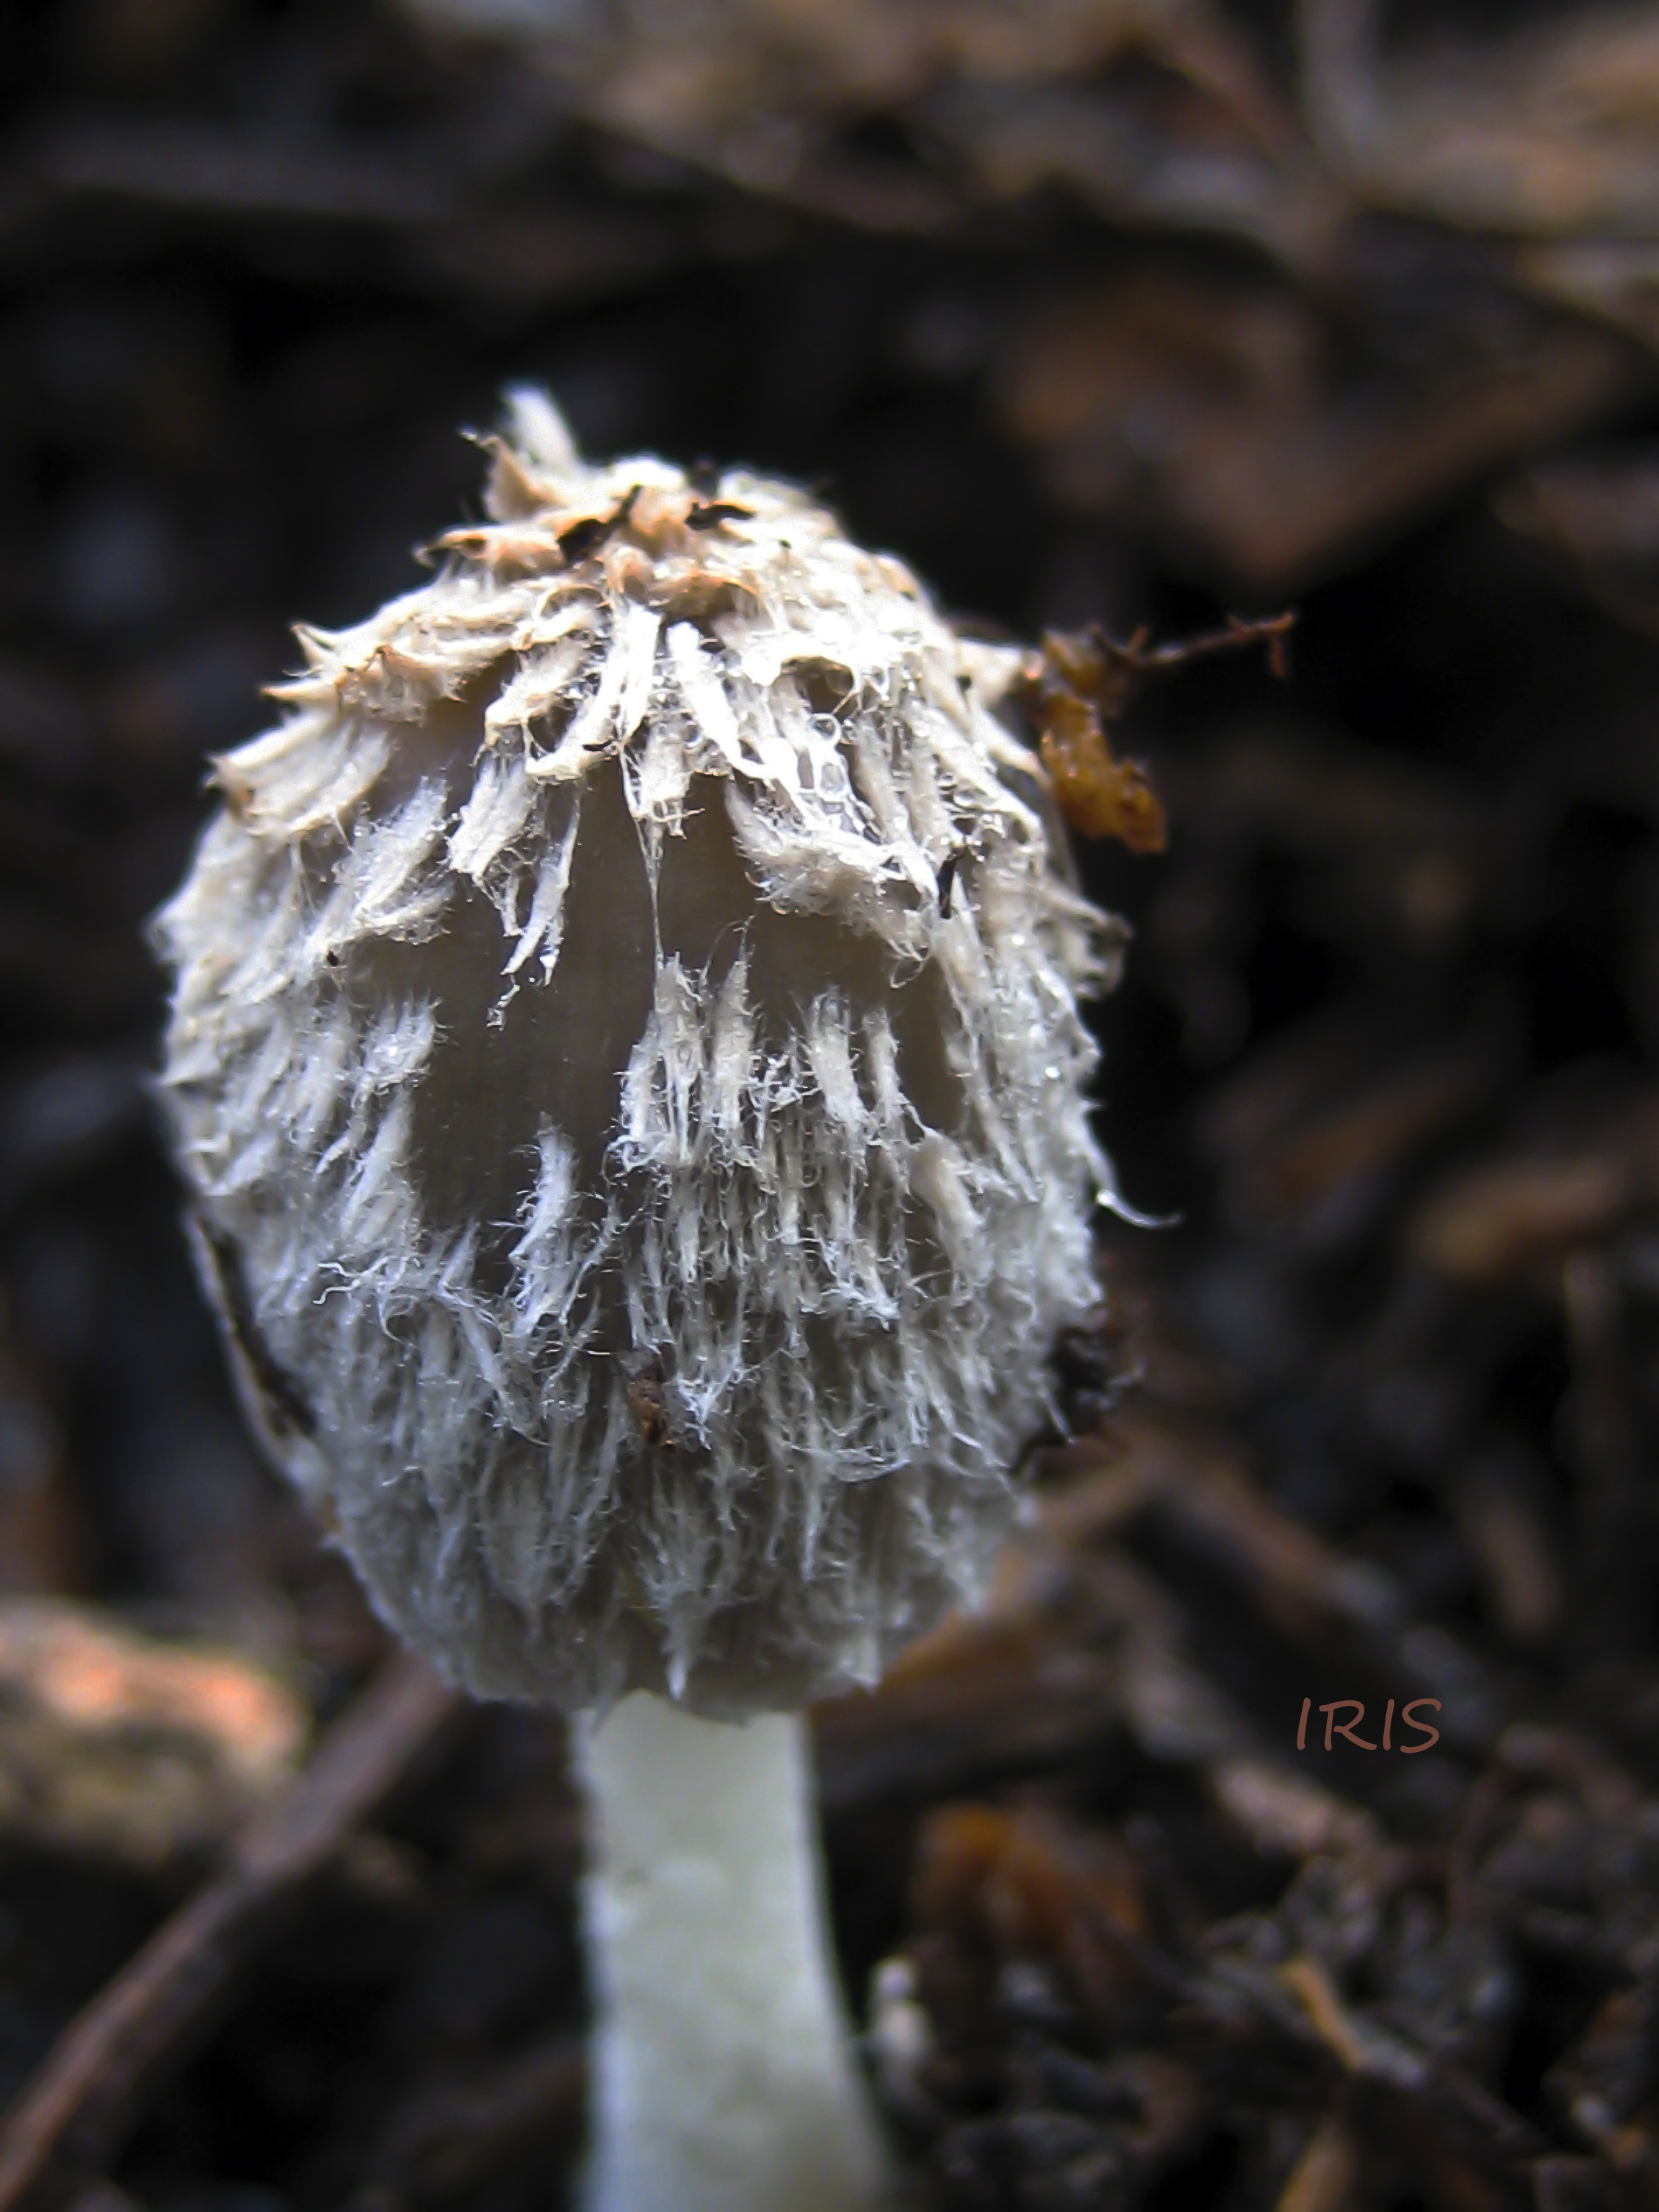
626,1059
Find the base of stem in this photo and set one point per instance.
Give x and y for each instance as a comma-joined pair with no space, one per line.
723,2077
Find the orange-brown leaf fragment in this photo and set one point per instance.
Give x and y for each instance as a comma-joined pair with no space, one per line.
1099,795
1030,1884
1084,683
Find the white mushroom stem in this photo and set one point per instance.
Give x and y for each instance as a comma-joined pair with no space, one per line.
723,2080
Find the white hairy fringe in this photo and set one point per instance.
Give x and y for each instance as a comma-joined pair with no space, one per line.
822,1214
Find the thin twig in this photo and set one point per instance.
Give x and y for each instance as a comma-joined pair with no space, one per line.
71,2116
1270,630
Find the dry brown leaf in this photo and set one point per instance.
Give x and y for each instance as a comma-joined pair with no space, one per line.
119,1746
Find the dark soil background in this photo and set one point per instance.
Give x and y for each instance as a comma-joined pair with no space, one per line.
1098,313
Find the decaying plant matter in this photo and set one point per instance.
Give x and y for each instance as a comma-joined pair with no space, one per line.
1081,684
1264,415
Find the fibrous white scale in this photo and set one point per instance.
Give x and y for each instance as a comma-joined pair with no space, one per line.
639,1200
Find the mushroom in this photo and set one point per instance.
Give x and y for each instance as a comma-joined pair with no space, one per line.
626,1060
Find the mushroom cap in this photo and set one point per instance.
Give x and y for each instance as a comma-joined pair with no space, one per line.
626,1060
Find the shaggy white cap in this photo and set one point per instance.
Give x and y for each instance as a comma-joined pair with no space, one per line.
639,1200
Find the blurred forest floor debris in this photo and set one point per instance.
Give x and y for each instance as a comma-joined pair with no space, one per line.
1417,207
1130,312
